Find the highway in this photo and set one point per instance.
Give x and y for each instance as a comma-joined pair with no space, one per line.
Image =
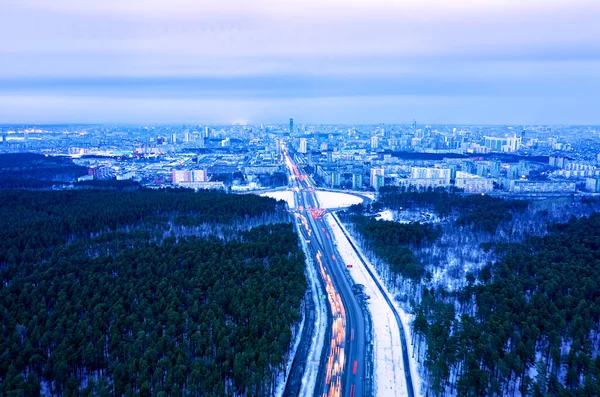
407,374
344,358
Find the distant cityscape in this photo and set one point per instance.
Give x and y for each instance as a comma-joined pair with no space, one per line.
519,160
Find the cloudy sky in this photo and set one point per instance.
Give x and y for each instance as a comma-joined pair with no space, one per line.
352,61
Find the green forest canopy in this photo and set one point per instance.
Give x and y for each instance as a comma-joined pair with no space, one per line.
93,306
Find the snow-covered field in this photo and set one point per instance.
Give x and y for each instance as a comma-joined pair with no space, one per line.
389,366
285,195
330,200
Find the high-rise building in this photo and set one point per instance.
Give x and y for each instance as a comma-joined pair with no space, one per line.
291,125
303,145
496,168
335,178
173,138
483,168
374,142
592,184
277,146
377,182
453,168
524,167
514,171
356,180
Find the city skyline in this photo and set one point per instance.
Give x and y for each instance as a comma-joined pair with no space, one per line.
320,62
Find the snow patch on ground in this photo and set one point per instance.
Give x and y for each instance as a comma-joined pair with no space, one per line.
367,194
407,216
406,319
386,215
387,351
330,200
285,195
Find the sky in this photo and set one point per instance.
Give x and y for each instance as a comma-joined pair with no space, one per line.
319,61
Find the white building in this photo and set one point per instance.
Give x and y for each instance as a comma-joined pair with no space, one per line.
303,145
472,183
187,176
377,178
430,173
525,186
505,144
374,142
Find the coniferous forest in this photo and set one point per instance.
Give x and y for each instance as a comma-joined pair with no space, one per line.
389,240
520,316
530,323
132,293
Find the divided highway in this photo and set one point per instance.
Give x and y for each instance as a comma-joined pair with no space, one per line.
344,360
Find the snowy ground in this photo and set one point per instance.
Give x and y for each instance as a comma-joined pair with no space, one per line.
386,215
387,351
330,200
284,375
416,216
367,194
285,195
389,368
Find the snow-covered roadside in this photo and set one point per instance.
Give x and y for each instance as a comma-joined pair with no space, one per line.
369,195
313,360
344,246
388,365
284,375
285,195
330,200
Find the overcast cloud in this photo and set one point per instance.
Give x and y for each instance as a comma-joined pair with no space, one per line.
465,61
